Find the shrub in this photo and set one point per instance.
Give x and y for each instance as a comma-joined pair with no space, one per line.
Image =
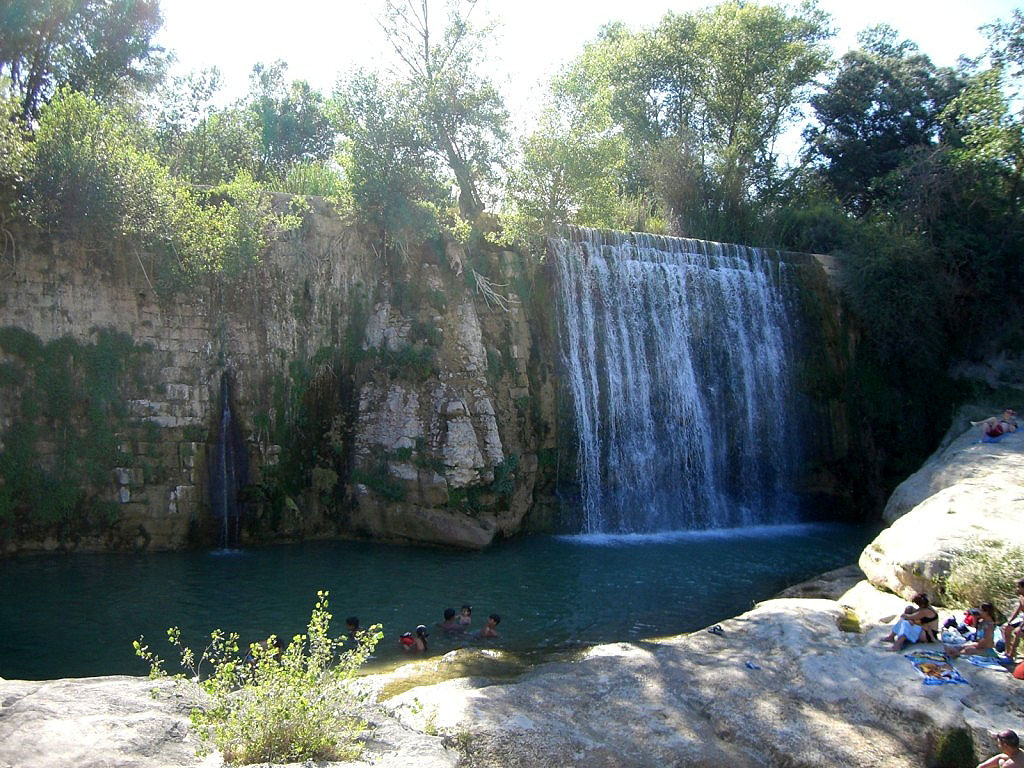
272,705
318,179
954,748
90,176
984,573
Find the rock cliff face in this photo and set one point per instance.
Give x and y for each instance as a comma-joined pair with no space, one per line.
968,491
375,397
400,396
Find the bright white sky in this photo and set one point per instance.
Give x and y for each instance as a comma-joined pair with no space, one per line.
322,38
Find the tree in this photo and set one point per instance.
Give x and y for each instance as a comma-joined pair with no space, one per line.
289,119
463,113
89,45
393,174
883,104
196,140
701,99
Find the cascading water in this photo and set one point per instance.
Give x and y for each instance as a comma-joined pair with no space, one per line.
677,354
229,472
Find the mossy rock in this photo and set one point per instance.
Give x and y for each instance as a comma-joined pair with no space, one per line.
953,748
849,622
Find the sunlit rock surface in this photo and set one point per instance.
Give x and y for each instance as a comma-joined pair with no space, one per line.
968,490
114,722
820,696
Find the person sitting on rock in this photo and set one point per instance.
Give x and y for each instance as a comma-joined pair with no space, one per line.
995,426
985,630
450,623
919,623
1009,756
1015,624
491,628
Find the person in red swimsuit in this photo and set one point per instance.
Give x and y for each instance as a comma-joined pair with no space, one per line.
995,426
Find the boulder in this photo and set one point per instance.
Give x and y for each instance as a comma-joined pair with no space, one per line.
968,491
962,460
404,523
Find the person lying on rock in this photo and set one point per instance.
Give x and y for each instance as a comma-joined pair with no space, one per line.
1009,756
1015,624
918,624
985,630
994,426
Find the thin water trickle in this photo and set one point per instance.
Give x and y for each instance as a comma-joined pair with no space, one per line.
228,474
677,354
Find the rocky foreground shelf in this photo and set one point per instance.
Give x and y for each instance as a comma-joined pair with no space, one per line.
796,681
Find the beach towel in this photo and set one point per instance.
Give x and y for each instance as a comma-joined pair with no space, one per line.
996,439
935,667
985,662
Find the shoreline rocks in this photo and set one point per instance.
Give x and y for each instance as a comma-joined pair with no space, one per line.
967,491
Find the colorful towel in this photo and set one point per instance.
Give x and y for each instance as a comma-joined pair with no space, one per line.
990,439
935,667
986,661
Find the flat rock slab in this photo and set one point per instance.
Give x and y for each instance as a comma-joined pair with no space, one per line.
93,723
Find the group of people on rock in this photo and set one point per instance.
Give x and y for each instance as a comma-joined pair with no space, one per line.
453,624
920,624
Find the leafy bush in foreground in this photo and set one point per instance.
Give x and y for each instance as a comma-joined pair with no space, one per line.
983,573
273,704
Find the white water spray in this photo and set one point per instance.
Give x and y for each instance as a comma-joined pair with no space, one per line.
677,355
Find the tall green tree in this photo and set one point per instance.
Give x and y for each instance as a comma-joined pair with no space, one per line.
394,177
701,99
883,104
101,46
198,140
290,120
460,108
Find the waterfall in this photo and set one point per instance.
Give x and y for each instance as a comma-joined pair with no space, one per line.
677,356
228,472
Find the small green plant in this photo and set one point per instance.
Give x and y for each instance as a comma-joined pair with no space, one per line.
272,704
984,573
849,622
954,748
504,475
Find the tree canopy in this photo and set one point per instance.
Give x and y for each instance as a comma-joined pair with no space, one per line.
99,46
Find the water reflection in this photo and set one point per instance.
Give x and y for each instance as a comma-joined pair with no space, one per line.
76,615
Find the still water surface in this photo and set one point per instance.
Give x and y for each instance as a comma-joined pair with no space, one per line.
76,615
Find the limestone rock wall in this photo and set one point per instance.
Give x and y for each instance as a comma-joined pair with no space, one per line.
968,493
390,403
